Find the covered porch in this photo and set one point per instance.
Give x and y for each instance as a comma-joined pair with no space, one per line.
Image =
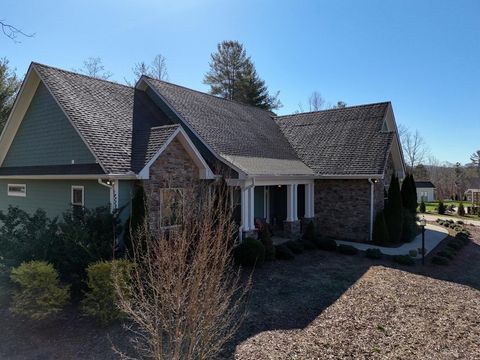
281,203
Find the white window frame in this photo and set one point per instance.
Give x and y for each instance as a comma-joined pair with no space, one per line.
78,187
17,193
162,191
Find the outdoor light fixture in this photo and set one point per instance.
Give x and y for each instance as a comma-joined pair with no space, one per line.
423,223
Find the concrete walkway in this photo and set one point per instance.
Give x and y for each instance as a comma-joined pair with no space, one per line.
433,236
433,217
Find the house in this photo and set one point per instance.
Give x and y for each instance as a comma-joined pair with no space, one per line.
473,196
425,191
73,140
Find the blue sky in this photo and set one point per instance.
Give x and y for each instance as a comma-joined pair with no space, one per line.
424,56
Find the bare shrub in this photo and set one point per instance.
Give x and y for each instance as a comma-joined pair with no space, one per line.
185,298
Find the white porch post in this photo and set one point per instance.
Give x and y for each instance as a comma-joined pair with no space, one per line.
309,201
292,202
251,209
266,203
244,206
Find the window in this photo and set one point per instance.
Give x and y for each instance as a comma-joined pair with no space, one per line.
17,190
171,206
78,198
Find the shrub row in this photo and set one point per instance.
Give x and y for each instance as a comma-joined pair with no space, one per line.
451,250
38,293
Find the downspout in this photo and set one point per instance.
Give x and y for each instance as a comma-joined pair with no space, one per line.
372,191
112,192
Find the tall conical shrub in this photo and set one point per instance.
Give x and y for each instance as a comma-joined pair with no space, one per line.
380,230
393,211
409,194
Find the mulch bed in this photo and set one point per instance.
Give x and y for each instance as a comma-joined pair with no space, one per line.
388,313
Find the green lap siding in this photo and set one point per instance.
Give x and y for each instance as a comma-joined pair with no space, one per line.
46,136
53,196
125,194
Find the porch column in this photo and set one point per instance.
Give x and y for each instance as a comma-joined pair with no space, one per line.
244,206
292,202
251,209
309,201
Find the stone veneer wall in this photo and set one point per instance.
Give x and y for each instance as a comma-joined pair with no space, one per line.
342,208
174,168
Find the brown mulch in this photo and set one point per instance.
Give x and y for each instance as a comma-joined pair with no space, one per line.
387,314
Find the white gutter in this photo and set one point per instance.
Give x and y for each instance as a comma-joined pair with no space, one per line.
372,189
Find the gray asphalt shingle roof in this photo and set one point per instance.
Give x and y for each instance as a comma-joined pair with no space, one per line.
124,128
158,137
106,114
347,141
244,135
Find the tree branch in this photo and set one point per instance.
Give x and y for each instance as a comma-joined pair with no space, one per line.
13,32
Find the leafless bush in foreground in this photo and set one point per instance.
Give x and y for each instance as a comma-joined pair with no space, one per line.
185,298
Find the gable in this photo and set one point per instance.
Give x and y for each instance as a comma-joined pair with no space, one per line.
46,137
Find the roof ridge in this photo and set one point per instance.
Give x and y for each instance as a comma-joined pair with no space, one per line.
80,74
328,110
211,95
164,126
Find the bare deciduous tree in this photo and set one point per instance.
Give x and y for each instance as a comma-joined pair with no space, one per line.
316,101
94,67
185,298
12,32
157,69
414,147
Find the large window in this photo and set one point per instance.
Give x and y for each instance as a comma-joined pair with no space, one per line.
17,190
78,196
171,206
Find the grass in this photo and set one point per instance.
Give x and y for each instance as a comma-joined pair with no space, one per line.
432,207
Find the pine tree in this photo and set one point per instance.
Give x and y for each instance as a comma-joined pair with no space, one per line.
9,85
253,90
393,211
413,194
233,76
380,231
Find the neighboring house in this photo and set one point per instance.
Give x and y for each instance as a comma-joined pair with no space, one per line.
76,140
425,191
473,196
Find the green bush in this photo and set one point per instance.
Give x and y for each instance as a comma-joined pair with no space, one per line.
295,246
404,259
394,211
309,232
413,253
448,253
39,294
460,222
250,252
439,260
380,234
309,245
347,249
25,237
282,252
422,208
100,298
373,253
455,244
267,242
85,237
327,244
409,228
462,237
441,208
